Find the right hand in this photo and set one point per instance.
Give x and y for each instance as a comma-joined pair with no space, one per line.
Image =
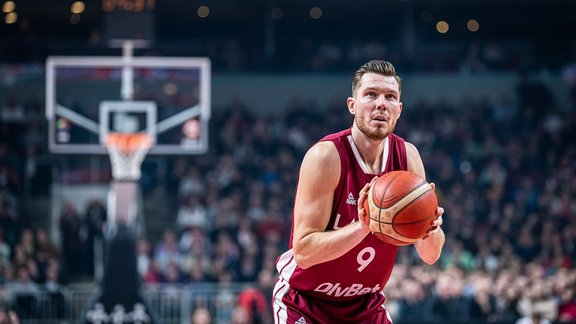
363,215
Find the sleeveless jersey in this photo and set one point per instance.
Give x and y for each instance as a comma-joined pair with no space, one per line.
366,268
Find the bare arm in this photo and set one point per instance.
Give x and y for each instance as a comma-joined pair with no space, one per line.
428,248
319,176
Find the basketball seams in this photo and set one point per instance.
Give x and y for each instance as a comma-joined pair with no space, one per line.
405,193
410,198
414,195
405,201
386,203
409,223
385,191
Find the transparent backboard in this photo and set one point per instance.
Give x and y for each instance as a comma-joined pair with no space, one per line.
88,97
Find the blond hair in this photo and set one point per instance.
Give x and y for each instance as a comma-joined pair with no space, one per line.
375,66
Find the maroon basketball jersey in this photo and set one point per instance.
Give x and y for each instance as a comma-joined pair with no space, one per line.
366,268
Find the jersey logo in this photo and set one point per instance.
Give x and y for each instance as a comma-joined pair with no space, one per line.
301,320
351,200
356,289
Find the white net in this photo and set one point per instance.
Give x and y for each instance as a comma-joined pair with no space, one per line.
127,151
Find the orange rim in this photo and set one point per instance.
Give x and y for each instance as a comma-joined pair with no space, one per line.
128,142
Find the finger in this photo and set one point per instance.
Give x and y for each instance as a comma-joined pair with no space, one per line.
430,232
365,188
362,195
438,221
439,211
363,216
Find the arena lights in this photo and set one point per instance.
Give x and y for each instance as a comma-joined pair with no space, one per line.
77,7
9,8
10,18
473,25
442,27
316,13
203,11
134,6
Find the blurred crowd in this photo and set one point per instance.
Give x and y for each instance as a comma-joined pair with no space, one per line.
504,172
343,55
307,54
325,55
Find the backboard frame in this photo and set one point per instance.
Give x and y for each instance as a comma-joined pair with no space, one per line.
201,111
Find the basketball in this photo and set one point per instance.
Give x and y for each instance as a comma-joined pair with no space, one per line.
401,206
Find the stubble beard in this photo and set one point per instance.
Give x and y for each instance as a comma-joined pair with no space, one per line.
379,133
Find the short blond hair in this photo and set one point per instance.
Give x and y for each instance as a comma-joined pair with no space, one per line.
375,66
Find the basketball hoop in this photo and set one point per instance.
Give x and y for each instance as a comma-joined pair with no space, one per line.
127,151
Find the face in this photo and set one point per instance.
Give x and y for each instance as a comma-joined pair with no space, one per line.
376,105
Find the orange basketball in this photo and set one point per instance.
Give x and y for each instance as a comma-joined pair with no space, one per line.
401,206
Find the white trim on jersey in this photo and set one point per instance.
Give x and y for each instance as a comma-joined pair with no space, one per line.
280,309
365,168
286,265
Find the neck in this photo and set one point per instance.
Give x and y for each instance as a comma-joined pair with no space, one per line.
370,150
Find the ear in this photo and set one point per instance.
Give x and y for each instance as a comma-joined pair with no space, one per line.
351,105
400,110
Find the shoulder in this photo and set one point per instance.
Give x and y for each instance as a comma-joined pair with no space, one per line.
321,166
411,150
324,152
415,163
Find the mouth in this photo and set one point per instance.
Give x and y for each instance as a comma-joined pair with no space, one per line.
380,119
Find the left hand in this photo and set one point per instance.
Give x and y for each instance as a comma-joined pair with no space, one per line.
437,221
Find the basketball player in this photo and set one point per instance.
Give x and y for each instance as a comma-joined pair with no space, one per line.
336,269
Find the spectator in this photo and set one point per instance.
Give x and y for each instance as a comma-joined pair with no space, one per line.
535,318
191,184
413,304
201,315
240,315
8,213
166,251
537,300
5,250
192,213
45,249
95,221
25,293
143,256
449,302
567,308
52,286
71,227
153,275
8,316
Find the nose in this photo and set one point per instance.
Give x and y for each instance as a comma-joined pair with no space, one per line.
381,102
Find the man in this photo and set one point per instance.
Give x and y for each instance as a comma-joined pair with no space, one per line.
336,269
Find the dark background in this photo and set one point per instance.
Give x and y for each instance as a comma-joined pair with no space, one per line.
546,29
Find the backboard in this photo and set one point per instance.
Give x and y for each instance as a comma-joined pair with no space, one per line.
88,97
